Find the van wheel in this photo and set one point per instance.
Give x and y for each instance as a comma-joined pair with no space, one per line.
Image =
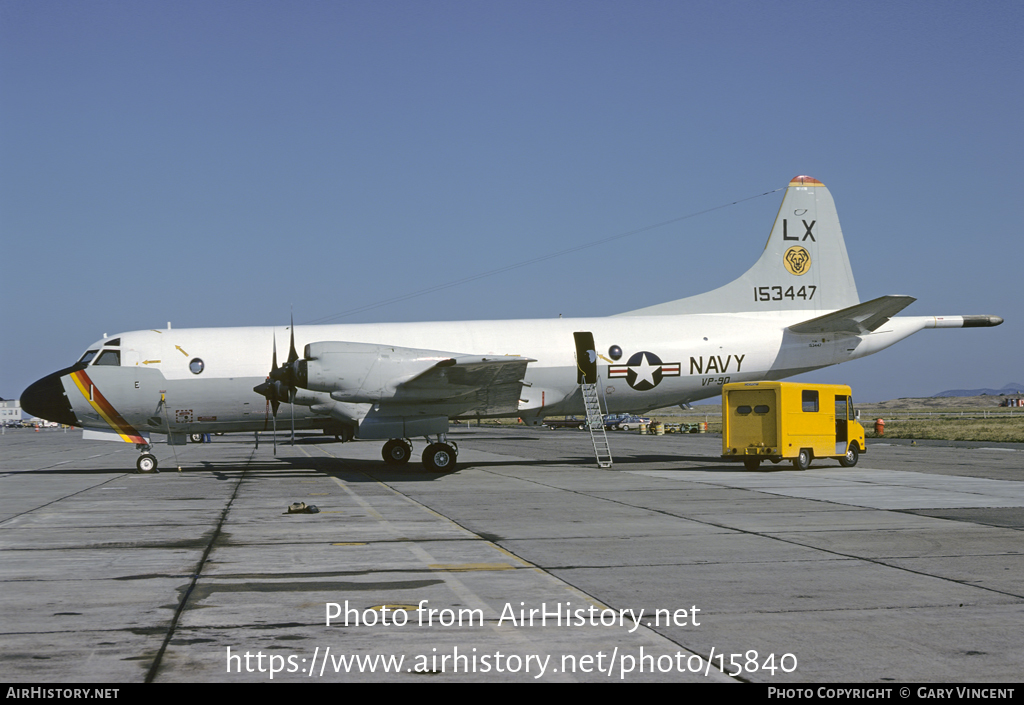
850,459
802,461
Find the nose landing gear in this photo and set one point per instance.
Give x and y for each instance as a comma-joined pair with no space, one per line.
147,462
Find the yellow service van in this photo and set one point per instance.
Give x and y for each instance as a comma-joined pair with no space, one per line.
789,421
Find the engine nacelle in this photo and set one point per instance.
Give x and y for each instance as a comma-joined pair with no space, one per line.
362,372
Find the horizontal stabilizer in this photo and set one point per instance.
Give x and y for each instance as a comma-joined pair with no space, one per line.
856,320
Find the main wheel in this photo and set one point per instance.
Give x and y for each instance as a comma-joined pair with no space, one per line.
196,437
146,463
850,459
802,461
439,457
396,452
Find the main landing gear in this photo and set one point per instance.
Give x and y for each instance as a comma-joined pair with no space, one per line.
439,456
397,451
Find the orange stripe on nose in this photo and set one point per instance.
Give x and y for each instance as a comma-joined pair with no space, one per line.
105,409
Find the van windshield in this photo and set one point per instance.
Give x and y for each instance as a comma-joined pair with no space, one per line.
844,408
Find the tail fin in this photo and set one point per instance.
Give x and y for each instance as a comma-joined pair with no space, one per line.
804,266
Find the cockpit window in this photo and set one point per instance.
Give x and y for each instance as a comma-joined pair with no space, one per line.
109,357
112,343
87,358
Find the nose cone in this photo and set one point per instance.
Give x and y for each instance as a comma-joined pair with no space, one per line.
46,399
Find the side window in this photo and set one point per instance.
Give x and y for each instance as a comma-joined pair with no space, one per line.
842,408
109,357
809,400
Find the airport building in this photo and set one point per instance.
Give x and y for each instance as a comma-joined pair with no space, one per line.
10,411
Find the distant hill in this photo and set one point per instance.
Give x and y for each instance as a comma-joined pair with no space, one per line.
1007,389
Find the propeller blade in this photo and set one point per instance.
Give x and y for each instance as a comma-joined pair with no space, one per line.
292,354
277,381
274,403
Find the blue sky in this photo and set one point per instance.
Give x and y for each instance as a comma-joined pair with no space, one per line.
216,163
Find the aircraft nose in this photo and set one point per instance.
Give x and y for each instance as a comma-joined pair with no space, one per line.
46,399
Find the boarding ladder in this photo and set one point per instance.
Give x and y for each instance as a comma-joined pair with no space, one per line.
595,422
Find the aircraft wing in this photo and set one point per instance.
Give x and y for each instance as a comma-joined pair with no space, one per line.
482,385
858,319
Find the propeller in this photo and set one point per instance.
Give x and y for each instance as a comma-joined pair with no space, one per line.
272,390
280,384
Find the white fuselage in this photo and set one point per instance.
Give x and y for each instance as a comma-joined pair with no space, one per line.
646,362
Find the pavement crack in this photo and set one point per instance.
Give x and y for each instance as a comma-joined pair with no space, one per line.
155,666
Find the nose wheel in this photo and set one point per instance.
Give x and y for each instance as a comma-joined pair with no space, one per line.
147,462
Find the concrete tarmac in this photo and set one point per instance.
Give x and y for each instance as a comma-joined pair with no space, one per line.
528,563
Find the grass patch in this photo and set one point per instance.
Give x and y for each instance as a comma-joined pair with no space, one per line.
1009,430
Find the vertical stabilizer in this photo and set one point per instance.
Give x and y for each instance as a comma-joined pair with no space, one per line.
804,266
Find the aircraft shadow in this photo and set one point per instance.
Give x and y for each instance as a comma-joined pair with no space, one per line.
372,470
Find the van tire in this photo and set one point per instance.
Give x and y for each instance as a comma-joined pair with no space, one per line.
802,461
851,457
